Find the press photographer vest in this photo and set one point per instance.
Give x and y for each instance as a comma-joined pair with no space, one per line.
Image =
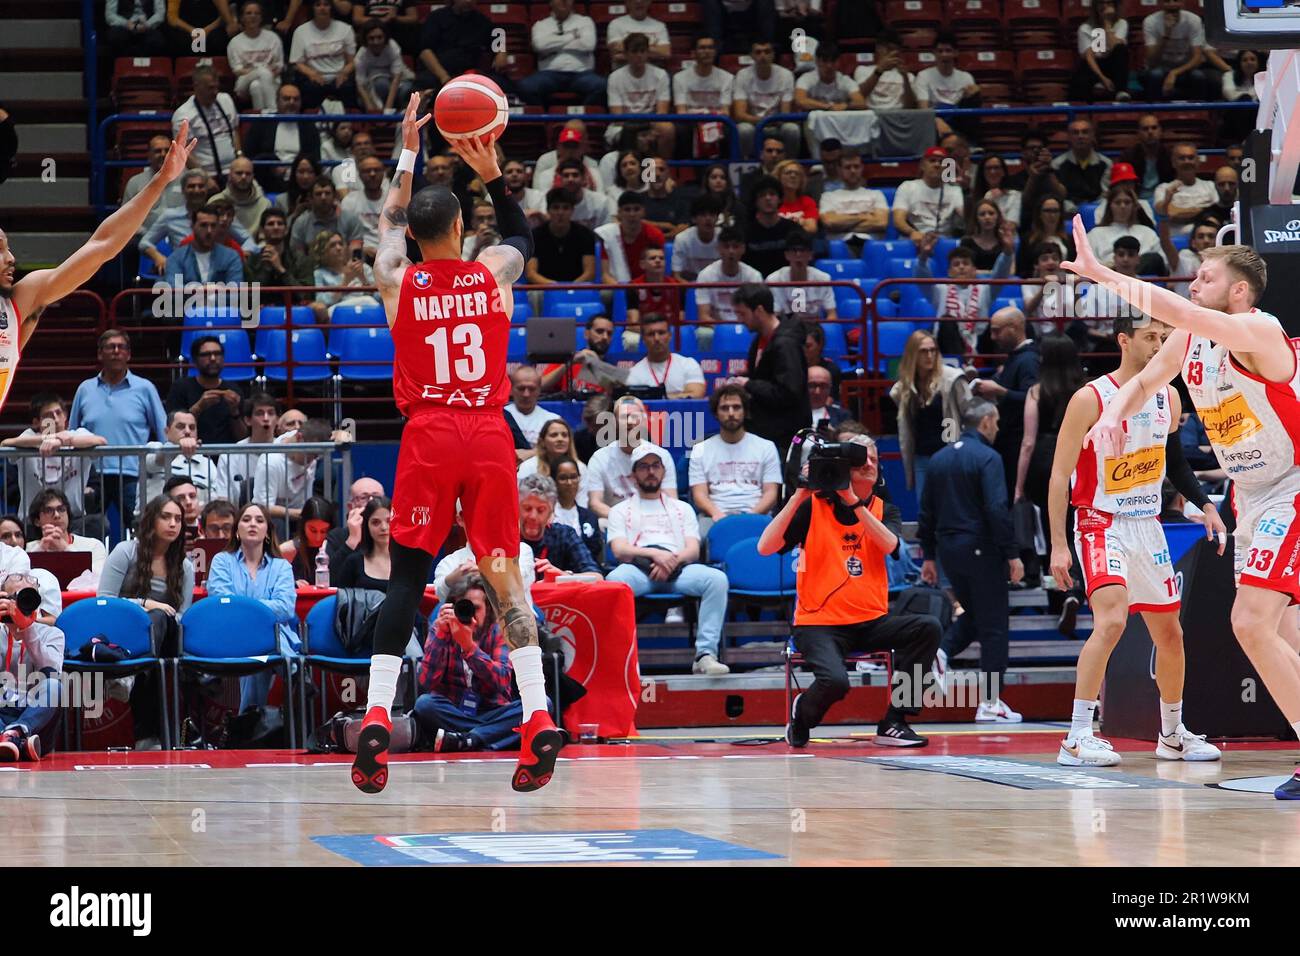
841,575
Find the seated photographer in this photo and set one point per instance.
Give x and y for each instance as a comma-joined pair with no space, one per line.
251,566
556,547
454,567
842,606
466,700
29,709
658,540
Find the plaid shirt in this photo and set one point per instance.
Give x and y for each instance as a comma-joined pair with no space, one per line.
447,670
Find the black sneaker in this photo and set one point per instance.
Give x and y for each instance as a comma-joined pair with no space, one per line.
894,732
1289,790
1069,616
796,734
450,742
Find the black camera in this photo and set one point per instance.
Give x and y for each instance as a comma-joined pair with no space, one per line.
464,610
824,466
28,601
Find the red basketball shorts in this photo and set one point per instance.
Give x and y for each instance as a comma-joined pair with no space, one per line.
450,455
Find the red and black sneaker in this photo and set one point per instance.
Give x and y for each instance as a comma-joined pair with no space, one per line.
542,743
370,768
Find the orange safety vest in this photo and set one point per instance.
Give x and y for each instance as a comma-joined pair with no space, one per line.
841,573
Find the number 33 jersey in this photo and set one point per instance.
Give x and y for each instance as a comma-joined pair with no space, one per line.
1253,424
450,339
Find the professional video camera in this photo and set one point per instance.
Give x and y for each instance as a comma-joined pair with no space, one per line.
824,466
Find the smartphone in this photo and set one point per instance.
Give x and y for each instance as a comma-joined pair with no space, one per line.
357,254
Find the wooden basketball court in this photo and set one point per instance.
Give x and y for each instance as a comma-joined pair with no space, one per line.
973,797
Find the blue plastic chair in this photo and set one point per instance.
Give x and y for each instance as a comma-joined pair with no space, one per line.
350,314
234,635
522,312
311,359
731,340
363,345
668,257
126,625
892,340
754,576
235,343
322,650
552,298
731,529
837,346
581,311
1182,242
840,269
1088,211
838,249
145,269
517,345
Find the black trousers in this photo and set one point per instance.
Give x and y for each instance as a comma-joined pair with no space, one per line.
164,636
1114,66
979,579
727,29
913,639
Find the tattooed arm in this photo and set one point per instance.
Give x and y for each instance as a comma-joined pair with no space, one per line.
390,257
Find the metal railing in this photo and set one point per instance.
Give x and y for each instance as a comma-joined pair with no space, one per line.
104,472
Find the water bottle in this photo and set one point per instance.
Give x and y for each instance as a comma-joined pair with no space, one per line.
322,569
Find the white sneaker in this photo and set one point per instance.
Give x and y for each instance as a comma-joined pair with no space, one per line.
710,666
1182,744
148,743
674,615
996,713
1087,751
940,670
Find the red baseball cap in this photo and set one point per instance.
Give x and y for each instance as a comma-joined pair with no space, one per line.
570,136
934,151
1123,173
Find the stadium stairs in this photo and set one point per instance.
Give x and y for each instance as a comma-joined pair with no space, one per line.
41,75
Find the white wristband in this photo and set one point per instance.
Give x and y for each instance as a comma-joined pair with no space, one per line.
406,162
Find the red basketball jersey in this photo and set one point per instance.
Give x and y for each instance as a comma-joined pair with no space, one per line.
450,339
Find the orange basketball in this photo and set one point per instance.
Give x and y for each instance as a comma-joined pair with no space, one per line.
471,105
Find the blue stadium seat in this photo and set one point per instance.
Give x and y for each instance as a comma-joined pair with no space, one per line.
888,192
308,347
755,576
349,314
690,314
850,307
689,344
1183,241
552,298
581,311
1004,301
322,650
892,340
877,253
235,342
232,635
901,267
369,345
838,248
517,348
725,533
886,307
668,257
942,249
522,313
842,268
846,296
1088,210
836,344
731,340
620,308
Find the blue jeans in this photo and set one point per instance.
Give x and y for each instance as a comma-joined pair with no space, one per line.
492,729
536,89
920,465
36,712
119,491
697,580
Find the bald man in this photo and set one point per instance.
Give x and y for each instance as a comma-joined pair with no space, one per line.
1017,374
346,538
525,388
245,194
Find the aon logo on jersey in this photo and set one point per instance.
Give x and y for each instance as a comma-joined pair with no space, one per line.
464,282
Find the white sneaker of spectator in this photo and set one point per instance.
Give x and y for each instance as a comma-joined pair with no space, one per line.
996,712
940,670
710,666
674,615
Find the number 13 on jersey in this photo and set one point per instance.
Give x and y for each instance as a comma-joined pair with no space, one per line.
470,365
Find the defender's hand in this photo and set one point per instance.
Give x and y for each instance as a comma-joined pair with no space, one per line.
179,154
411,126
1085,263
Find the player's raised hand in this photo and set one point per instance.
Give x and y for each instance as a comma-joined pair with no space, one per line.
479,155
1085,263
178,156
1106,437
411,126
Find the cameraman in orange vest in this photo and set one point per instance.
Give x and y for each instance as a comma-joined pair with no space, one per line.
843,600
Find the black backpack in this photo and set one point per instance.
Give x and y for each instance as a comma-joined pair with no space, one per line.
923,600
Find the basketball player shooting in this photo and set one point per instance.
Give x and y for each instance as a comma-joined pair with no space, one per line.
450,322
1122,550
1244,379
21,302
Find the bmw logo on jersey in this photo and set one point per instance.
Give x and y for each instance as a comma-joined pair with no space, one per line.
422,279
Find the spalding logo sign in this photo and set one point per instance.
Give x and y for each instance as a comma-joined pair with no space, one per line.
1291,234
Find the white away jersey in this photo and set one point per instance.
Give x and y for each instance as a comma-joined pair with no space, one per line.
1253,424
1130,484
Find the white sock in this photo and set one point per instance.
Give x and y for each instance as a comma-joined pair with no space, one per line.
1171,715
384,669
1081,719
527,662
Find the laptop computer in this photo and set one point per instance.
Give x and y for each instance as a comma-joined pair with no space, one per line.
551,340
201,551
64,565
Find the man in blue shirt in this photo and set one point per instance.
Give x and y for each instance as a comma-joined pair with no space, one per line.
173,223
203,260
966,522
127,410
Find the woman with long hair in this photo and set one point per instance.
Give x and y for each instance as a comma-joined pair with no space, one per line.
370,566
151,570
303,172
1125,217
991,183
984,234
928,393
717,183
796,204
335,266
1047,224
554,445
627,175
1060,375
315,522
1239,85
251,566
1103,55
